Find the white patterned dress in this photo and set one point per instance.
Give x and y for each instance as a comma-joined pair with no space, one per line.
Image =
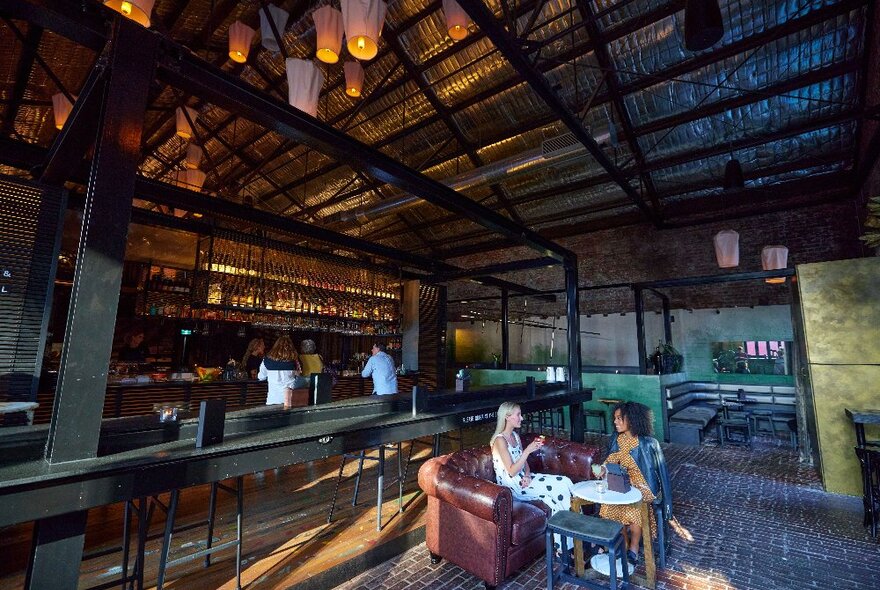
552,490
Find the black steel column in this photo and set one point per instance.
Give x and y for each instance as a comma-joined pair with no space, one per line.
572,307
505,329
56,551
640,329
667,319
82,378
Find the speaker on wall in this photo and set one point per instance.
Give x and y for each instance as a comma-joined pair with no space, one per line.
212,417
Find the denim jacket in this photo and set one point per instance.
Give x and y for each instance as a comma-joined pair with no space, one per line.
649,457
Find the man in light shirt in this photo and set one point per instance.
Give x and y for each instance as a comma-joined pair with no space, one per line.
381,367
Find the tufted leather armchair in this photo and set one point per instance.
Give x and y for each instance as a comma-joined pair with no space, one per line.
476,524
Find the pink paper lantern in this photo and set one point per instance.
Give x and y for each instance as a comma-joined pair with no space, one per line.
727,248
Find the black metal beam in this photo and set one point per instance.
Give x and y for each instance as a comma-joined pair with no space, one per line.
192,74
573,314
536,80
78,22
638,294
67,151
603,56
505,330
715,279
491,269
29,46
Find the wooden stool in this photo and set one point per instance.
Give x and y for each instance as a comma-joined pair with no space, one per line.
588,529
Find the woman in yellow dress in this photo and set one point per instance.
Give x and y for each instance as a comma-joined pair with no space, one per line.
638,452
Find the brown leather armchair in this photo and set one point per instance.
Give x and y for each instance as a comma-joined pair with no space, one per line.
476,524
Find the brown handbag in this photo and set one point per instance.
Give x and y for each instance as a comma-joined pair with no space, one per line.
618,478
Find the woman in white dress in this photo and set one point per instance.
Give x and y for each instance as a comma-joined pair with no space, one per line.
512,470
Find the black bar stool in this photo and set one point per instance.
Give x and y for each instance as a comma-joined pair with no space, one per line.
138,508
380,483
171,511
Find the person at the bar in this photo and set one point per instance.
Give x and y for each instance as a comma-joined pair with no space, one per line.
638,452
381,368
133,348
280,369
741,360
309,358
509,459
253,357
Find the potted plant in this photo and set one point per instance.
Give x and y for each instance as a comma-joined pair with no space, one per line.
496,358
871,238
666,359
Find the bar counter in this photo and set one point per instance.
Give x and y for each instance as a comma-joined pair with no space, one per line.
137,399
256,439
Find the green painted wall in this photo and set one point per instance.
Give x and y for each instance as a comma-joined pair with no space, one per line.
644,389
841,308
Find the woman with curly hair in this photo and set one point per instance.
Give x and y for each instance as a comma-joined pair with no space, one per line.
638,452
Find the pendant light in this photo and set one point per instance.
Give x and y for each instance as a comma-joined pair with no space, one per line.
727,248
279,17
703,26
363,21
328,29
61,108
191,179
240,38
304,82
137,10
354,78
184,129
457,20
774,258
733,175
193,156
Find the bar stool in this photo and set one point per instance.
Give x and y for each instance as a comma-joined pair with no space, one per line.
171,512
136,578
380,484
598,415
589,529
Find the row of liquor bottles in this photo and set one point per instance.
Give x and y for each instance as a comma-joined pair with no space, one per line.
249,294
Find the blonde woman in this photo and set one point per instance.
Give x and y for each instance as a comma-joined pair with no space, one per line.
281,369
512,470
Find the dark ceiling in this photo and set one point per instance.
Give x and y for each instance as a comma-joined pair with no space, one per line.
782,92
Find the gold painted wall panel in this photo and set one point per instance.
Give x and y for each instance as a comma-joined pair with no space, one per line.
841,309
835,388
841,303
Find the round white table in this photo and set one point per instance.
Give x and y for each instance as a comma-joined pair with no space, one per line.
585,492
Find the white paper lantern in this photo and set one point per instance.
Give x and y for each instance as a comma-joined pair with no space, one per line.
363,21
328,28
191,179
137,10
304,82
727,248
61,108
240,38
279,17
193,156
184,129
354,78
457,20
774,258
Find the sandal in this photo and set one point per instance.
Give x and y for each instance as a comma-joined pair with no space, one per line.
632,557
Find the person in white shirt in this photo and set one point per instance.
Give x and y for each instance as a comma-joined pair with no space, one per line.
281,369
381,368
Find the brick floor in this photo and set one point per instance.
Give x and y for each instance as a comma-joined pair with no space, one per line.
749,520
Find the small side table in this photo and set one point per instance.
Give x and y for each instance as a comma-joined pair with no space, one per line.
27,407
585,493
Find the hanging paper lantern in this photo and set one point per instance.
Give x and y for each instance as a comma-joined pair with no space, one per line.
354,78
727,248
184,129
279,17
363,21
137,10
457,20
703,26
304,82
774,258
193,156
328,28
61,108
191,179
240,38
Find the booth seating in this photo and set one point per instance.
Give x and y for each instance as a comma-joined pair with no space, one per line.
464,501
691,407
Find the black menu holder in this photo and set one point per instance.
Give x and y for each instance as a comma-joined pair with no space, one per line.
212,417
419,399
320,388
530,387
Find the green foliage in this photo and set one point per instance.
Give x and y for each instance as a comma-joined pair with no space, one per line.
872,236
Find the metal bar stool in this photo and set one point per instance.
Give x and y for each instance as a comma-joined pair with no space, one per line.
136,578
597,415
165,563
588,529
380,460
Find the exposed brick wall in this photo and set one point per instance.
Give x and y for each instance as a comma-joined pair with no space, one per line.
642,253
